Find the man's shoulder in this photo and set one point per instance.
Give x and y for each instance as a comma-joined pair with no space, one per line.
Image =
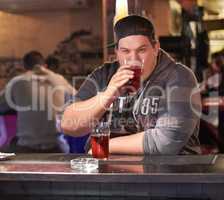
183,75
172,72
17,80
175,68
19,77
104,73
170,66
107,67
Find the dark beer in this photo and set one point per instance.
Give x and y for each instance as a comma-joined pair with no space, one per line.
136,81
100,145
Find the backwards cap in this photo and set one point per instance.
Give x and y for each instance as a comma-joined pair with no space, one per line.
134,25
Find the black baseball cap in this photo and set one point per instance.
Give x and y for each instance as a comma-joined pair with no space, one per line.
133,25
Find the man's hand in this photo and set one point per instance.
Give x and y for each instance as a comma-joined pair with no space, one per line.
118,80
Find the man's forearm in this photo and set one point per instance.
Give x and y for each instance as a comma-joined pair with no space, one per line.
80,117
131,144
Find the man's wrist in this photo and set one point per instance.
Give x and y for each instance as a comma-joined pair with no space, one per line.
111,92
106,98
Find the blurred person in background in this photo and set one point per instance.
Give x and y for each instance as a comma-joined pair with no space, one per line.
213,76
36,95
212,90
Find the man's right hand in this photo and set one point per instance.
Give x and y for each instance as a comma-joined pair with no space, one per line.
116,85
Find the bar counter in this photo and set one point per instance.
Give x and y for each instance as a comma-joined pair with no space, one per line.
49,176
213,102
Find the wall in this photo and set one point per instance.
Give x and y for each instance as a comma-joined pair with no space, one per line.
42,31
22,32
159,11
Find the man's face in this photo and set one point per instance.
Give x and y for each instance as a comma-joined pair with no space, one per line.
138,47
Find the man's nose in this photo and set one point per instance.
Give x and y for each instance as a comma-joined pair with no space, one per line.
134,56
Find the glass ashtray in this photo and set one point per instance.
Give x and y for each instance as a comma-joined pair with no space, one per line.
85,165
5,156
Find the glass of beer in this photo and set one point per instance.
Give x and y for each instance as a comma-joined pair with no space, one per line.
135,83
100,140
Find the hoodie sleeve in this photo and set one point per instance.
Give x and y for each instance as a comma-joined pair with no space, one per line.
179,119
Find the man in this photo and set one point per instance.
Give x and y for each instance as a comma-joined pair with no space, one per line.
36,99
165,111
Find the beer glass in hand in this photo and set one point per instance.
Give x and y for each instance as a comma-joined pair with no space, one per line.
134,84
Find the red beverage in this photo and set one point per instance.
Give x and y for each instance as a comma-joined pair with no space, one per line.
100,145
135,83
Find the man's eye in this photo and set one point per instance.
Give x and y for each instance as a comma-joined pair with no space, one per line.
143,50
125,51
